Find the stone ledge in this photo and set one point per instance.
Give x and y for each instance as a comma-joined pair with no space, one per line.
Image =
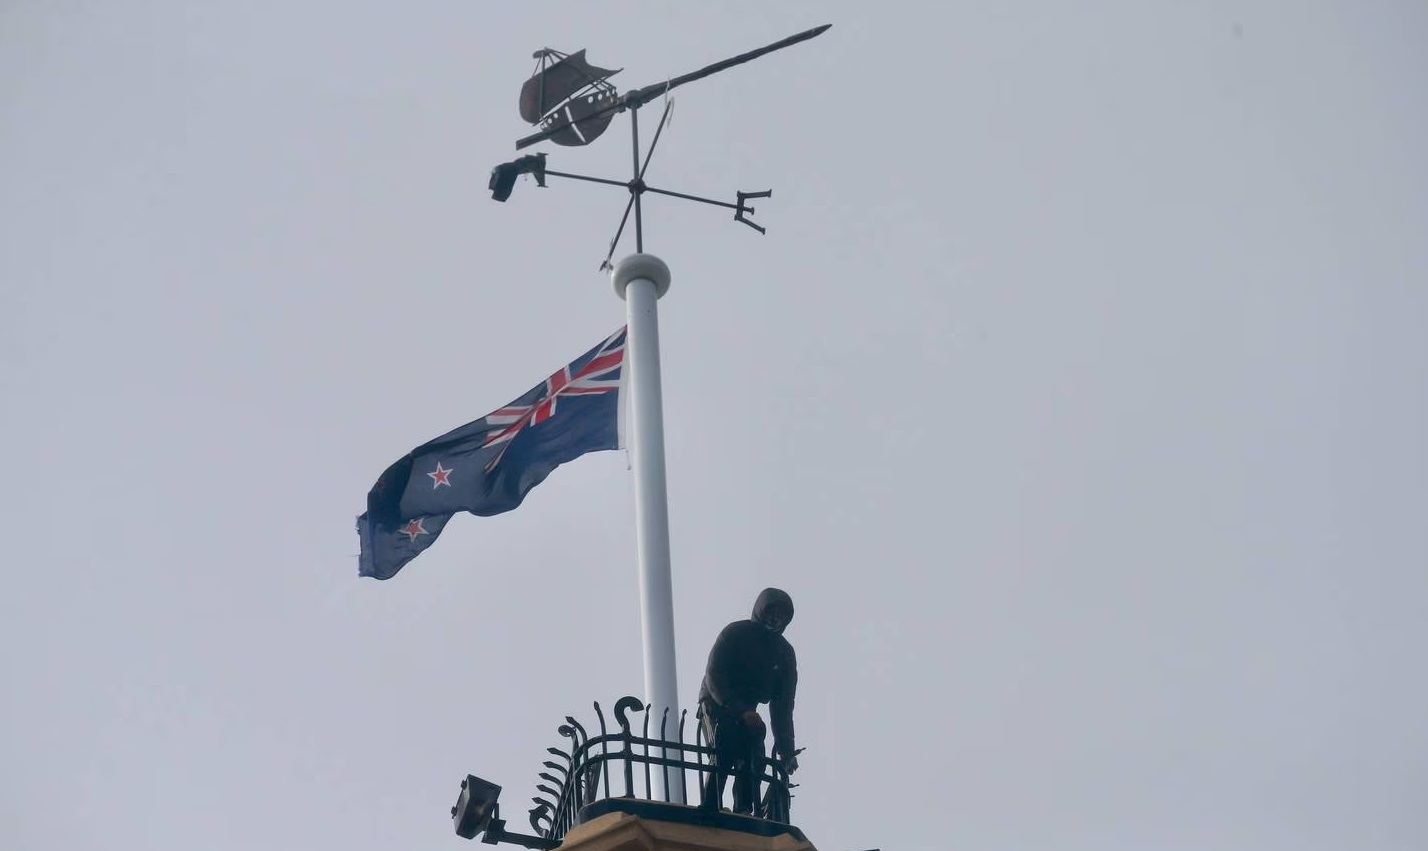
618,831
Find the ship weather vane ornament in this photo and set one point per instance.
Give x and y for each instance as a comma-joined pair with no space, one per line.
573,102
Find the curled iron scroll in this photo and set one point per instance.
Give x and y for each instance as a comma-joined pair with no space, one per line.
584,737
600,714
622,708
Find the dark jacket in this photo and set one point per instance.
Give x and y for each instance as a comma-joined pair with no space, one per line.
751,664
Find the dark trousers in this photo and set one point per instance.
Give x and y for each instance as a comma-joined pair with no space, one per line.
737,751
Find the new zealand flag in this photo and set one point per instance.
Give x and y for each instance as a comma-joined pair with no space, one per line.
487,467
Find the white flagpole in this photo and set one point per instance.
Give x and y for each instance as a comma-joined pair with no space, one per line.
640,280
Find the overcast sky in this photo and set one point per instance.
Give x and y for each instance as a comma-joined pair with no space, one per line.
1077,395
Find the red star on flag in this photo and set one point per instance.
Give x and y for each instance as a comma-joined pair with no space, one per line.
413,529
440,476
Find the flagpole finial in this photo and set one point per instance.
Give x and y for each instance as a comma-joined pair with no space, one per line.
641,267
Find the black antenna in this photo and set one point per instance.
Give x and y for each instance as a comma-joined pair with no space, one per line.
573,102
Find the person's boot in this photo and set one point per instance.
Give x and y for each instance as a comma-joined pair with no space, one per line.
713,791
743,791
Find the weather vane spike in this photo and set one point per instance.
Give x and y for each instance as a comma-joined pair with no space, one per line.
573,102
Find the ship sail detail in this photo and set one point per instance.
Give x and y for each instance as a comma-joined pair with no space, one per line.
568,90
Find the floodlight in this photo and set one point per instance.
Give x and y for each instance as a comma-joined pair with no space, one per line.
475,807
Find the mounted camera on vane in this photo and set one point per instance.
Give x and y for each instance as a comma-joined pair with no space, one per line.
573,103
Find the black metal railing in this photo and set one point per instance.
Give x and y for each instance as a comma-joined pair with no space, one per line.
622,766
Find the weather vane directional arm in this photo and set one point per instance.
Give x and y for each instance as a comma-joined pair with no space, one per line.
639,97
573,102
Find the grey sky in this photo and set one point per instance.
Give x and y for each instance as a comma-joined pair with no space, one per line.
1077,395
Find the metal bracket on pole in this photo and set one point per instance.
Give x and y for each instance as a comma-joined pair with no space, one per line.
496,833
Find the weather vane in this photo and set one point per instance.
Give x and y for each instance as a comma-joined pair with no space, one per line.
573,103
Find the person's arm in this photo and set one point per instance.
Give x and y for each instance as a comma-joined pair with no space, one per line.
781,707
